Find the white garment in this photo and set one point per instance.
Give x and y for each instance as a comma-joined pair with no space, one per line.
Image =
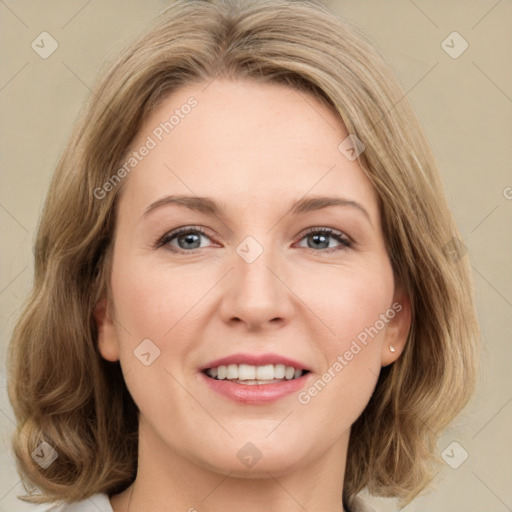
96,503
101,503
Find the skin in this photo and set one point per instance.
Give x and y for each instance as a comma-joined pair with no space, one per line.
255,148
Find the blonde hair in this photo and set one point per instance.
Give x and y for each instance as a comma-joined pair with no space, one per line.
62,390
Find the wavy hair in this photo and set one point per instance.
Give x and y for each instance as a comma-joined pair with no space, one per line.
64,393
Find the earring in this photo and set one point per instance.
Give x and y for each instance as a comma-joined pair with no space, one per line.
392,349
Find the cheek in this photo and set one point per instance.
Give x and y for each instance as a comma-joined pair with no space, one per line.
348,301
357,312
356,306
155,302
155,312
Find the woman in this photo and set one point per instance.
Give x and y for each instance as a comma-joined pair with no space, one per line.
256,367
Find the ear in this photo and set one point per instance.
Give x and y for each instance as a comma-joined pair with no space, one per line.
108,344
397,329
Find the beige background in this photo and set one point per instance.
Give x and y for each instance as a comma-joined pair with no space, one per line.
465,105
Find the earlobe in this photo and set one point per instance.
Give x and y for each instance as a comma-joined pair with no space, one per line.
397,330
107,335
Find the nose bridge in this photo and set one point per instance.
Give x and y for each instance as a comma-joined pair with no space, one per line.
256,294
253,261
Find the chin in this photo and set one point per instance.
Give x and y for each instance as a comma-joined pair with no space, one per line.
250,462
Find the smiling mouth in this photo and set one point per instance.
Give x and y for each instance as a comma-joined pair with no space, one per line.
255,375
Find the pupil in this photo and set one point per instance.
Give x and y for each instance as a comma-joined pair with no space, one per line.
189,238
316,237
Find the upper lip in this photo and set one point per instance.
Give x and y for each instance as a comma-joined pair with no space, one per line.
255,360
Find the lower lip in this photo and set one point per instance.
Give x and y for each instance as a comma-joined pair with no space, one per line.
258,393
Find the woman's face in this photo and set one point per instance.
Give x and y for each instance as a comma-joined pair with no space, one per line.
254,282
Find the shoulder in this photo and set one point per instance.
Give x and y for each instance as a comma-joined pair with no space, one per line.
96,503
358,504
100,502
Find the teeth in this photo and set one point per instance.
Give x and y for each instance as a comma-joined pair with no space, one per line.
265,372
232,371
269,372
279,371
246,372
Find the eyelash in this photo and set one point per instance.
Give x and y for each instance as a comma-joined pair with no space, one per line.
337,235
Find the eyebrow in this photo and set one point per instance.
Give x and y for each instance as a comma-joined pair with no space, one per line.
209,206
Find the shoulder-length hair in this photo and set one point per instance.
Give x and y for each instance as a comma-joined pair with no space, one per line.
61,389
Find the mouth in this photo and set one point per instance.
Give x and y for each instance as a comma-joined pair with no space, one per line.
250,375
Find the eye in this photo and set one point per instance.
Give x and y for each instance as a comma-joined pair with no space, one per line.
187,239
320,239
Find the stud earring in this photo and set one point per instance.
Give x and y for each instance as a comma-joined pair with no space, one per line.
392,349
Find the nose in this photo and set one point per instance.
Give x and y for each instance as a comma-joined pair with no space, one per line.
256,294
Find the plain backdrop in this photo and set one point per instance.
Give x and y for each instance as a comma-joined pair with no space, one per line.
463,99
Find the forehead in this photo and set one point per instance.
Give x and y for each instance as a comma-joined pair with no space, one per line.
244,143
